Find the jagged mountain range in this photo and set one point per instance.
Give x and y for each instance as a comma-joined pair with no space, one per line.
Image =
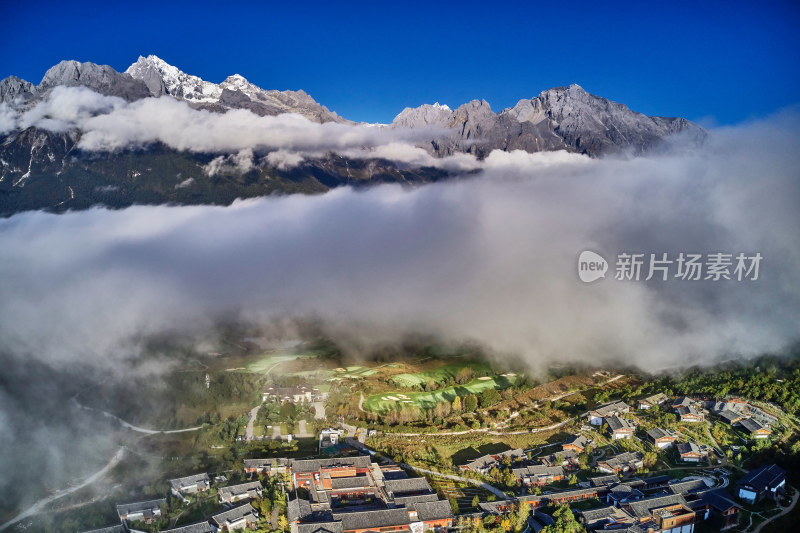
43,168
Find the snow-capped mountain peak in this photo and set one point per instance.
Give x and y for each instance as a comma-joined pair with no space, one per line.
174,81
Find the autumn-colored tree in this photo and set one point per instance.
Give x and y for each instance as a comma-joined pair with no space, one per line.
457,404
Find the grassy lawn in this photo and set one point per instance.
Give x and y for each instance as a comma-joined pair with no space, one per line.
384,401
441,374
267,361
354,372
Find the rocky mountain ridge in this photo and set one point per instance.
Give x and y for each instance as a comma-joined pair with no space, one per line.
45,168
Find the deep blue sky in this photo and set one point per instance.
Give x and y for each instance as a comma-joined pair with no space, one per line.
716,61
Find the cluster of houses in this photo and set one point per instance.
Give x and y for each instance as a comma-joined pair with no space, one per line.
654,504
231,518
344,495
751,419
355,495
302,393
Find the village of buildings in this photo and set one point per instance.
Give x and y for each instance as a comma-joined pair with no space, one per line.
351,487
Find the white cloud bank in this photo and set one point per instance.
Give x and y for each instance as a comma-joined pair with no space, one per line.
109,123
490,259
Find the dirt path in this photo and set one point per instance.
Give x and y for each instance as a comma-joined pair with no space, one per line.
131,426
36,507
786,510
251,418
302,430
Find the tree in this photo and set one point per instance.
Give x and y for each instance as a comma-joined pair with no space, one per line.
457,404
453,505
564,522
471,403
282,522
475,501
523,511
489,397
573,479
464,375
649,459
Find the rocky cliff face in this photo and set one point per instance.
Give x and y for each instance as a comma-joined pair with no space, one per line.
100,78
234,93
564,118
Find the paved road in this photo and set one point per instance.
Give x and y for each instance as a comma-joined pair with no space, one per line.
494,490
131,426
36,507
251,418
319,410
786,510
302,432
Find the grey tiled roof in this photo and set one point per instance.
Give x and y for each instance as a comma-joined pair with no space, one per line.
623,459
298,509
610,408
600,481
616,423
658,433
403,486
129,508
688,447
751,425
373,519
719,499
188,481
767,476
489,459
644,508
688,487
232,515
327,527
238,490
656,399
408,500
538,471
199,527
729,416
437,510
577,440
314,465
271,462
350,482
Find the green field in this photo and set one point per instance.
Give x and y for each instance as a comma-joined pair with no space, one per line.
354,372
441,374
262,364
390,400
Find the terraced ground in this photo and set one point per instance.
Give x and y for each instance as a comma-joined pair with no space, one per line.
441,374
383,402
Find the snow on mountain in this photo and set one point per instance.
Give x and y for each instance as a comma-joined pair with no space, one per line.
175,82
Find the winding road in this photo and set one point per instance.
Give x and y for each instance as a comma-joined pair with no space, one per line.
786,510
131,426
36,507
